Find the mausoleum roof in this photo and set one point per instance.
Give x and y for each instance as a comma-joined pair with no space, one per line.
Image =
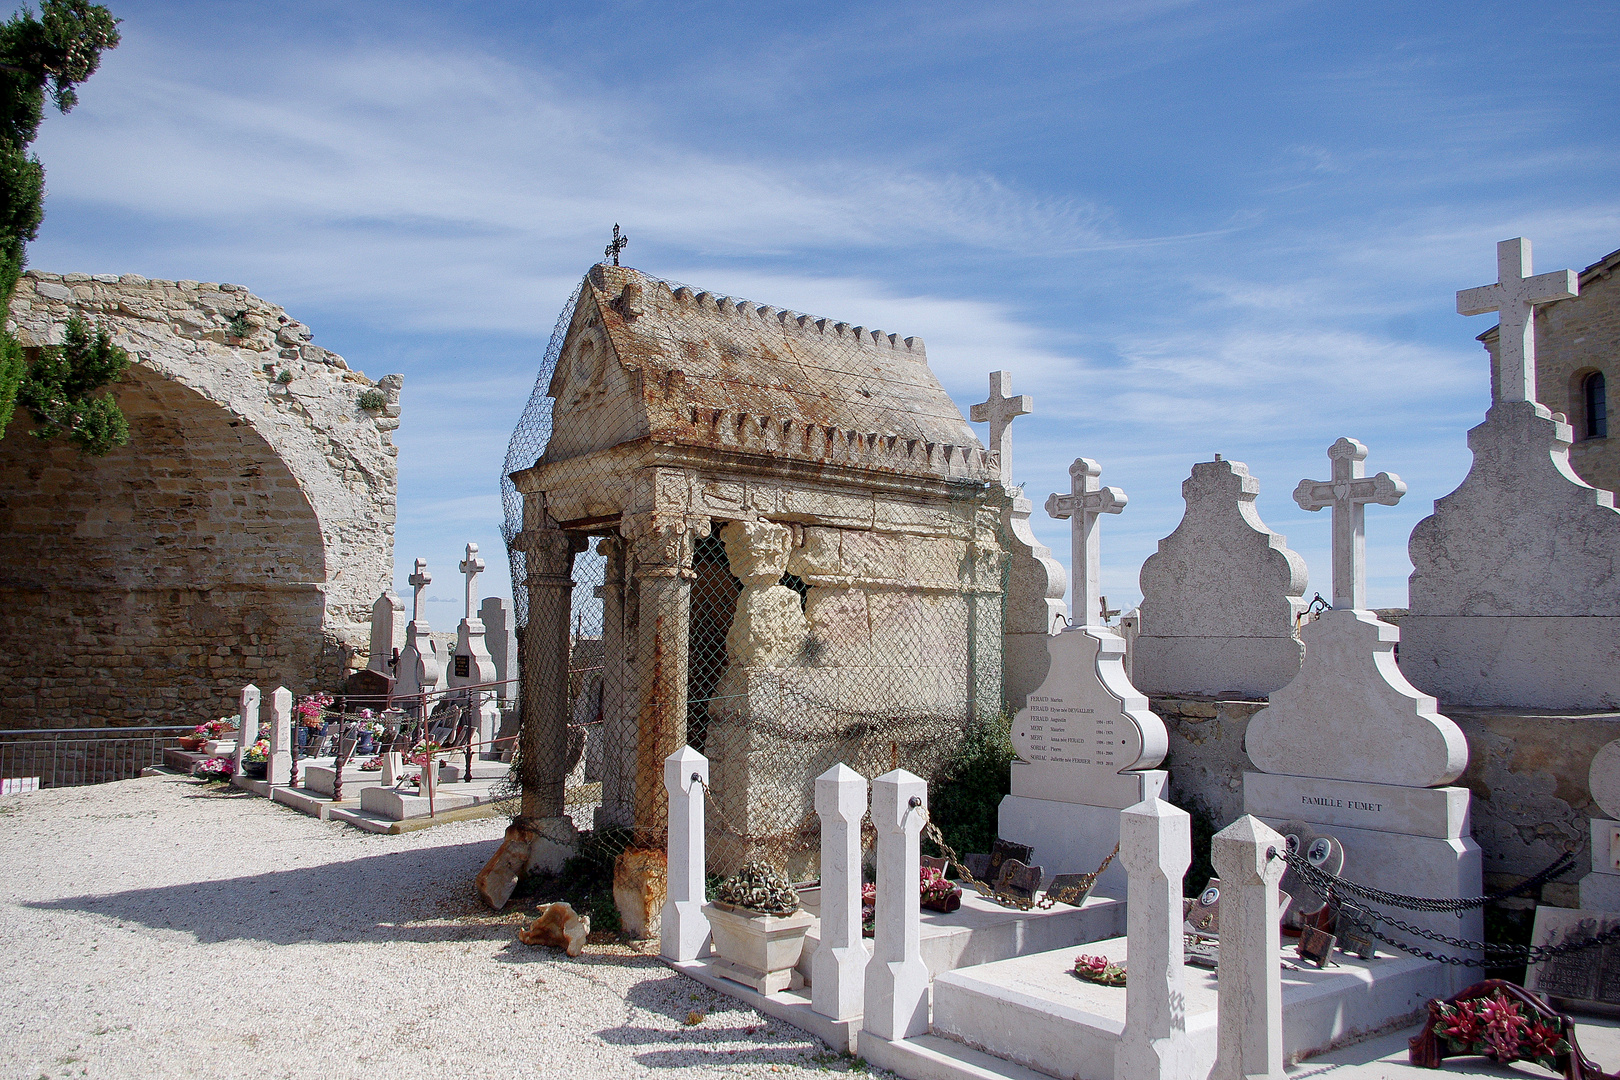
698,369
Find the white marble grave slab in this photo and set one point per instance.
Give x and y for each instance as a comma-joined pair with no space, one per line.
1439,812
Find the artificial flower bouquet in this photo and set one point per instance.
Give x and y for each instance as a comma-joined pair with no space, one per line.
219,769
312,710
1098,969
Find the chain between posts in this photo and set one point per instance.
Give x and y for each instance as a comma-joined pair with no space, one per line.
795,838
1495,954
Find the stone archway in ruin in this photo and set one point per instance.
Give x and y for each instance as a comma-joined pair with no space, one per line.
150,584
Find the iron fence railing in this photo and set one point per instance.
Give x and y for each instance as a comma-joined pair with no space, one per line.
74,757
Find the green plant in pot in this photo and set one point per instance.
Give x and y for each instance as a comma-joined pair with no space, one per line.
758,928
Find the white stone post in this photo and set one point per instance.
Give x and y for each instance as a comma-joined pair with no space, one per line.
278,767
1155,844
683,929
896,1005
838,968
1249,1039
429,788
393,767
247,723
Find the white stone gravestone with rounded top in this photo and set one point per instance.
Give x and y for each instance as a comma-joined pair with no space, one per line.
1514,598
1221,598
1351,746
1086,741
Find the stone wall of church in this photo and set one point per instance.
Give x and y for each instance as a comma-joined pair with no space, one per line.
1528,775
1575,338
239,537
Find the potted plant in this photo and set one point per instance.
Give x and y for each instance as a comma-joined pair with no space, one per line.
256,760
758,928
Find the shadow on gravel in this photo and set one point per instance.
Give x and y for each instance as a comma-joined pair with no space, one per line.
676,997
377,898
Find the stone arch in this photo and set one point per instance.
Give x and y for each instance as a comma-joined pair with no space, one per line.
240,536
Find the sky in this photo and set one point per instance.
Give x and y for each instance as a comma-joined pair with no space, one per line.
1184,228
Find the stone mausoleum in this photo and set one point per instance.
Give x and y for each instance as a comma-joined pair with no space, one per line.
804,552
240,536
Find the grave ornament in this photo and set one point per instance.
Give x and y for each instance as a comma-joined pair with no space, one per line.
418,670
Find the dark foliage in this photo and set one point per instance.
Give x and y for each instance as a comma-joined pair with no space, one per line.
964,803
60,390
44,55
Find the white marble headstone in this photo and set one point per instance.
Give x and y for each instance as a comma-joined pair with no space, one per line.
1086,733
1221,597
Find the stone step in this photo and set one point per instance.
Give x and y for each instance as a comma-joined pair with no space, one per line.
929,1057
1031,1011
315,804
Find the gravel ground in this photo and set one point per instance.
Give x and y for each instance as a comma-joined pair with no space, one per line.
164,928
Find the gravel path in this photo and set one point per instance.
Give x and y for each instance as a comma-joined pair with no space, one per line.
164,928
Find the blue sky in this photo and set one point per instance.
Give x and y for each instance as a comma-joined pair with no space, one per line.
1184,228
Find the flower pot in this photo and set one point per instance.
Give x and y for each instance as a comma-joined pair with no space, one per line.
191,743
367,743
255,770
755,949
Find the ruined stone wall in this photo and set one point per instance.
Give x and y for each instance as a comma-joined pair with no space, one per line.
1527,772
240,536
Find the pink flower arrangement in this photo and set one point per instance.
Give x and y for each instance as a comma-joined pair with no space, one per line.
312,710
215,729
371,764
1099,969
215,769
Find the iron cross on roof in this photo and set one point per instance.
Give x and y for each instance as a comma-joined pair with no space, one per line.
613,249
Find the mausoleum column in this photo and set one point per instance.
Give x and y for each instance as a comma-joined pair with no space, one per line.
661,575
549,561
618,719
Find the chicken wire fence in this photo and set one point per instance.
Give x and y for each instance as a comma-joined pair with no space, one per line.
713,641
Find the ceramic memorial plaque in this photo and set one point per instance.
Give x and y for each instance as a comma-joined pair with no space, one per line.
1589,976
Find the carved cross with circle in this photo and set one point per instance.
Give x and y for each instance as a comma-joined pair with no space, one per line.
999,412
1515,296
1348,493
1085,501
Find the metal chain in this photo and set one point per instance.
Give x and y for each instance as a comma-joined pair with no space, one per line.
1494,954
791,839
1323,881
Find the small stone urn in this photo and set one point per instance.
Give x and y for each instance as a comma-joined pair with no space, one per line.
758,930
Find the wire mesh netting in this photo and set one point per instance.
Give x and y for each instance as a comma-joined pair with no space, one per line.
770,537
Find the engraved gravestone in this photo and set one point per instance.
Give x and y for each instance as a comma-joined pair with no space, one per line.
1086,741
1584,976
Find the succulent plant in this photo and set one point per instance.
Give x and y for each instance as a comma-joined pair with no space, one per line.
759,887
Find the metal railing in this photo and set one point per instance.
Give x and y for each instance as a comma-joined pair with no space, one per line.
74,757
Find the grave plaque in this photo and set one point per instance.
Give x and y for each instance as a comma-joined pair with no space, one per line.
1000,852
1589,976
1019,882
463,666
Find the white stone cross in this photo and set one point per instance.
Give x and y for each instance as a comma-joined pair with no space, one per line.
999,411
1349,492
472,566
419,581
1086,499
1515,295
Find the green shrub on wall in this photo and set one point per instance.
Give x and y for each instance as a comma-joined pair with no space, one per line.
965,802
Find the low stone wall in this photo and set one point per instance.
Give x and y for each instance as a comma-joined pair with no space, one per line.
1527,772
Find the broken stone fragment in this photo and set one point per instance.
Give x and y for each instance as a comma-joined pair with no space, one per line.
559,927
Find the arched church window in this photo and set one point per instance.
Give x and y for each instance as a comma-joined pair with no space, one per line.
1597,406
